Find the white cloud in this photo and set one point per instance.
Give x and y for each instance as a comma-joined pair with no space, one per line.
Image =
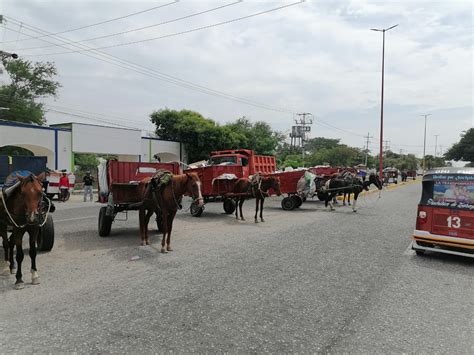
319,57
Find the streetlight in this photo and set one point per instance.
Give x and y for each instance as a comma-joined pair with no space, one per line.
5,55
424,143
381,105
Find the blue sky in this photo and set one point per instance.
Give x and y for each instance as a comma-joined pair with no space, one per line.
317,56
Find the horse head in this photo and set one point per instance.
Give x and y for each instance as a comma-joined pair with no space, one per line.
193,187
31,191
375,179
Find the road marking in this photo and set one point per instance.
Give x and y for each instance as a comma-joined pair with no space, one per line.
409,250
73,219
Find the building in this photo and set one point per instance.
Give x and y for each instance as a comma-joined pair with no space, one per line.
60,142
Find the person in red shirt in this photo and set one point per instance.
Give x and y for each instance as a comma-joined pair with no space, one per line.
63,187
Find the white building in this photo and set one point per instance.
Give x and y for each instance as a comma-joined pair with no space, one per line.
60,142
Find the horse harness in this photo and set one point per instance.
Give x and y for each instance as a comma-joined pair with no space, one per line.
6,193
162,178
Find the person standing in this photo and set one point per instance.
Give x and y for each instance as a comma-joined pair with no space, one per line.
63,187
88,181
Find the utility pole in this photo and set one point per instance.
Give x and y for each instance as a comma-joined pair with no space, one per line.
424,144
381,100
368,136
401,151
305,127
436,144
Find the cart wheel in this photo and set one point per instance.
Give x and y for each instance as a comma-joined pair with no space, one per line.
321,196
45,240
50,196
288,203
105,222
196,211
229,206
297,200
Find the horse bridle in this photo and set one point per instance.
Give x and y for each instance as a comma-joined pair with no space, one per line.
12,220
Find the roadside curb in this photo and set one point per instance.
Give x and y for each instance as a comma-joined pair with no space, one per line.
389,187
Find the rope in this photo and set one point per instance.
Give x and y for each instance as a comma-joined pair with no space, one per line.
4,203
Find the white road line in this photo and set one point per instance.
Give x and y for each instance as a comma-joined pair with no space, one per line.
409,250
73,219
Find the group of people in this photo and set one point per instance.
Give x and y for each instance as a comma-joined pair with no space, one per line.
64,185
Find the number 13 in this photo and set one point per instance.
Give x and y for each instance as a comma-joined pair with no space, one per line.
454,222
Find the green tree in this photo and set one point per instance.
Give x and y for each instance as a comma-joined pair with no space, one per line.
29,82
321,143
464,149
200,135
257,136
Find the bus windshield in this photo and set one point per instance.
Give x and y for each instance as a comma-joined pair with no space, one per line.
453,191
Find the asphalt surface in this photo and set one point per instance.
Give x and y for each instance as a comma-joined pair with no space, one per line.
304,281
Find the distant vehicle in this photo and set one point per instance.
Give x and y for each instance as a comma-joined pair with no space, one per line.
445,217
222,171
53,184
411,174
390,176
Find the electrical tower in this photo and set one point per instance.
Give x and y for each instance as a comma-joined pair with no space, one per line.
299,132
368,136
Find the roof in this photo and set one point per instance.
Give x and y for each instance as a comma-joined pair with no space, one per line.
452,171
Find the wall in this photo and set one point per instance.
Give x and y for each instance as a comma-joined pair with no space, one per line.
168,151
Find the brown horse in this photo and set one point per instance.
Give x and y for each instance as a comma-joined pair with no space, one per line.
21,207
258,189
165,202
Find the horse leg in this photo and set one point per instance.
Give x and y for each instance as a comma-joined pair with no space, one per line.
33,232
237,202
165,231
328,201
344,199
170,228
6,248
18,242
356,195
148,215
141,216
242,200
261,209
257,200
349,198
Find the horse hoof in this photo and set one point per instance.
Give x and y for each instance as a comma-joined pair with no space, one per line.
163,251
243,219
35,281
256,221
169,249
354,210
19,286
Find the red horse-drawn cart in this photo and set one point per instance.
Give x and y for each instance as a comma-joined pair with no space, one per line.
225,167
118,187
289,184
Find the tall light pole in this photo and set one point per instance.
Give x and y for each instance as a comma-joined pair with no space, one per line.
381,104
424,143
436,144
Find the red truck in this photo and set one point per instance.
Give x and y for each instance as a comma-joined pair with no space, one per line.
223,169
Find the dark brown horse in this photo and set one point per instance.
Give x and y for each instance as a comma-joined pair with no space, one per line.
21,207
165,202
258,189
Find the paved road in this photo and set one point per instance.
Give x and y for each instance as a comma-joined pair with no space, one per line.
304,281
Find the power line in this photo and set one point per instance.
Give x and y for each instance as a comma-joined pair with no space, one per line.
181,32
100,23
144,27
129,65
